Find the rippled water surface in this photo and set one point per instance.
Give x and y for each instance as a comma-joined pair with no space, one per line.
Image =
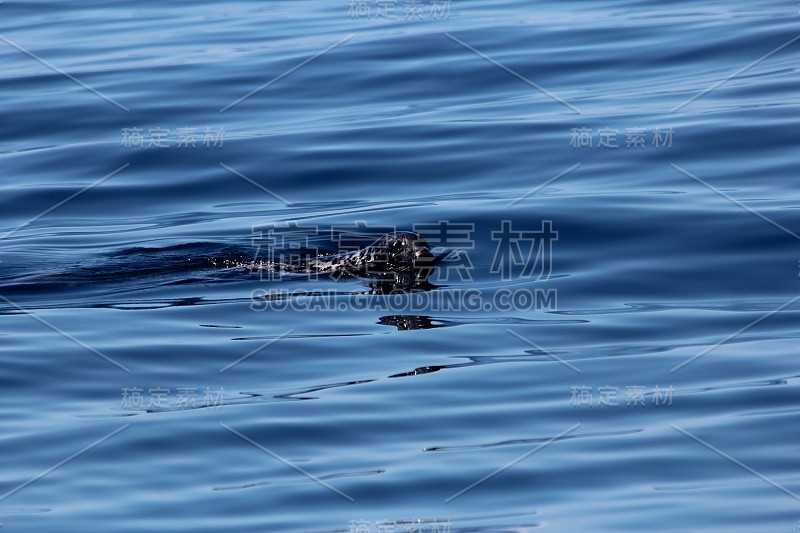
152,381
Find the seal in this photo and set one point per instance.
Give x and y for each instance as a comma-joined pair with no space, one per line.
398,261
403,253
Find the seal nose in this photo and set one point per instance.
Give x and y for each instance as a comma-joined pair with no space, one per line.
424,261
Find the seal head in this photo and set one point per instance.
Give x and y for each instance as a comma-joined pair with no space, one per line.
400,252
399,255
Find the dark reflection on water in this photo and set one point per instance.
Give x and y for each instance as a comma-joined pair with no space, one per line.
409,322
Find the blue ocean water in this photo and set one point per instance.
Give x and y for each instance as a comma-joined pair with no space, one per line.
649,381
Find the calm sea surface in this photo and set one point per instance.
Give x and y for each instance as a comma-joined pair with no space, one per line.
612,345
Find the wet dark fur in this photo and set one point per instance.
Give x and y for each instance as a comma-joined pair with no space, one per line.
395,253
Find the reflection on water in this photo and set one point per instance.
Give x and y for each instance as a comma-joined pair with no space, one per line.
409,322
